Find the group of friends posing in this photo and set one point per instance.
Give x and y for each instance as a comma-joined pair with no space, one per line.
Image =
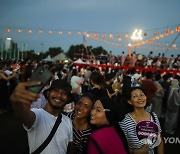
96,126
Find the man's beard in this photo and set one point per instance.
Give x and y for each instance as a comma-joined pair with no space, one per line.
54,106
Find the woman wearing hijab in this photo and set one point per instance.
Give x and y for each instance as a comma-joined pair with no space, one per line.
81,123
141,128
108,137
173,104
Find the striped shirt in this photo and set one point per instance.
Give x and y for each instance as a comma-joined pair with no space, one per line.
128,125
80,137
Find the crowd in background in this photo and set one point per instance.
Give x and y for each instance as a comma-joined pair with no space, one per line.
136,59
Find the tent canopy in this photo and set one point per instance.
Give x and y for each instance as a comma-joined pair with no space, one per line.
80,61
60,56
48,58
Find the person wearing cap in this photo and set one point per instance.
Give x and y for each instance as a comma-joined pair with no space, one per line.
108,137
39,122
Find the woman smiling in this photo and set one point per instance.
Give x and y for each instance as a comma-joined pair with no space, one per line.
105,116
142,129
81,122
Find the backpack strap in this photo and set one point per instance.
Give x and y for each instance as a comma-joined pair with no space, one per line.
48,139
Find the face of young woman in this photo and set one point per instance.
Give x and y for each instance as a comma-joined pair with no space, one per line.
83,107
138,98
98,116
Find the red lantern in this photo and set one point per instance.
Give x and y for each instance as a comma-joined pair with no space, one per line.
157,37
118,37
178,29
8,30
166,31
96,35
174,45
126,36
161,36
29,31
79,33
111,36
50,32
69,33
103,36
20,31
40,32
155,32
60,33
171,31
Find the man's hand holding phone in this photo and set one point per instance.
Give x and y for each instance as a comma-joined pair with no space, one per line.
42,75
27,92
22,95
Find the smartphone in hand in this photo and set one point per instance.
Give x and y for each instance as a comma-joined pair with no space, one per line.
41,74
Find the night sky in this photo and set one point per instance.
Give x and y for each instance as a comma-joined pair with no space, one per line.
116,17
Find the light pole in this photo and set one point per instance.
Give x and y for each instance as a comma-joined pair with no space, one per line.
42,46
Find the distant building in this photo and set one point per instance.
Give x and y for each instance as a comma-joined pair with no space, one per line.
8,44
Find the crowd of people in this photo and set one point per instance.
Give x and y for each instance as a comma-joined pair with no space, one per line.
100,111
139,60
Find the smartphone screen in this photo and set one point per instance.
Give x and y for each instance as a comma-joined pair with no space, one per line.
41,74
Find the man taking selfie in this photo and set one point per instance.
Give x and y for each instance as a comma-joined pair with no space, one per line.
39,122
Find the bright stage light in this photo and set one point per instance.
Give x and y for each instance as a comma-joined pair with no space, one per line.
137,34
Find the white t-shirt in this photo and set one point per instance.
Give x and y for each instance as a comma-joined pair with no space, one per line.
42,127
